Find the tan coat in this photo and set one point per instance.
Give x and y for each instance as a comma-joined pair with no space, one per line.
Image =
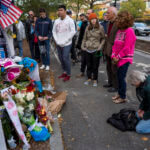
110,40
93,39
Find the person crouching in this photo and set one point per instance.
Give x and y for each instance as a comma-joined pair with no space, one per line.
142,83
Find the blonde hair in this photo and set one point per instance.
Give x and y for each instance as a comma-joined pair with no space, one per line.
136,76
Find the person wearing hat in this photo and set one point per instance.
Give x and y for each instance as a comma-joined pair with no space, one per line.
93,42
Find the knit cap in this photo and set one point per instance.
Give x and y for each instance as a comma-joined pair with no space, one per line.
92,16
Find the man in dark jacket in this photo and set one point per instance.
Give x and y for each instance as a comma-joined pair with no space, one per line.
30,32
43,30
104,22
80,39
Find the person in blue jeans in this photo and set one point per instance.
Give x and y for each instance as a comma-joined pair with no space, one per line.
43,30
63,32
142,83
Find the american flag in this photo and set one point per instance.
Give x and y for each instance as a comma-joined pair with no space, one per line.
9,13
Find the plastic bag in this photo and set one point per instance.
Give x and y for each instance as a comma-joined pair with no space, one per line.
42,49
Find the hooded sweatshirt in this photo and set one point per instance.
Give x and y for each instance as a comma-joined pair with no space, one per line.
63,31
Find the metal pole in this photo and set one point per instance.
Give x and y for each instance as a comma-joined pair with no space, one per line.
115,4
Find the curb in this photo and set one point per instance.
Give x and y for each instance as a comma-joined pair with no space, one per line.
2,139
56,142
142,51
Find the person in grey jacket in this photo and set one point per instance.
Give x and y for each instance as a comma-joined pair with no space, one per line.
20,36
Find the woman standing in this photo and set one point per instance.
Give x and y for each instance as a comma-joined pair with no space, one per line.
93,42
123,51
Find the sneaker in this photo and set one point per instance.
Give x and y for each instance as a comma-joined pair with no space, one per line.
42,67
47,68
62,76
87,82
95,84
67,78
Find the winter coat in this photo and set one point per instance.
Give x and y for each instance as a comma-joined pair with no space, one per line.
93,39
28,25
43,27
143,94
81,34
123,48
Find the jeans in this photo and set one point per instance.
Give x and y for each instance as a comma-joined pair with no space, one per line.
20,48
143,126
64,57
122,71
31,45
46,57
92,65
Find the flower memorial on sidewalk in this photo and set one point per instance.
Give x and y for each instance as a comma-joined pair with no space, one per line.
25,109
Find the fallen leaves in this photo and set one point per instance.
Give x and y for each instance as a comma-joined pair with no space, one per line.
144,139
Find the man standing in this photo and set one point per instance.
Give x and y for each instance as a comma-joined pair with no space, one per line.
30,32
105,22
111,33
73,53
81,35
43,30
63,32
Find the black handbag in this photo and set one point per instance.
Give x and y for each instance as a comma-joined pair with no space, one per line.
125,120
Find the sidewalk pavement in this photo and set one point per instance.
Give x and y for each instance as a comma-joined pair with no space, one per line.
84,124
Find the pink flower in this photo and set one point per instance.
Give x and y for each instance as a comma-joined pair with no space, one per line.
15,113
10,105
9,63
22,136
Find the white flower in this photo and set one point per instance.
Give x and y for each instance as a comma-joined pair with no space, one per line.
31,107
30,96
19,97
20,110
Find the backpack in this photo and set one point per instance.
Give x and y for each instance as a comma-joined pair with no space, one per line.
125,120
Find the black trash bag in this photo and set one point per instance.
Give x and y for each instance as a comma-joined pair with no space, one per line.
125,120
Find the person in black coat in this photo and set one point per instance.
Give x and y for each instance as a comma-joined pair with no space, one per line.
79,43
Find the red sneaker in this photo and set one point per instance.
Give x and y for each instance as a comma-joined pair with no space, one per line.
63,76
67,78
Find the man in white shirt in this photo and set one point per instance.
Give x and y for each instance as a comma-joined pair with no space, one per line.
63,32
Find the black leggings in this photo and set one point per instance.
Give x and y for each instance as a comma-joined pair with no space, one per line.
93,62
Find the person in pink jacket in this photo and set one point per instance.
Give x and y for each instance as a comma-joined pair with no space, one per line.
123,52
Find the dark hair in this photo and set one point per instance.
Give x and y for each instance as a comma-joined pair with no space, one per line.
124,20
62,6
97,25
82,15
42,10
69,12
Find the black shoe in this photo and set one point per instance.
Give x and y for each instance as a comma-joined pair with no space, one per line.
111,90
107,85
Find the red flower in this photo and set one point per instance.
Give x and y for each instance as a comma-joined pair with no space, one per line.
30,88
32,64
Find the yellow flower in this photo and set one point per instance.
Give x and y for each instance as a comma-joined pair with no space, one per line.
13,36
16,22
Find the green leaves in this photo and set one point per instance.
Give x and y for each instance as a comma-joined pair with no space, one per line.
135,7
